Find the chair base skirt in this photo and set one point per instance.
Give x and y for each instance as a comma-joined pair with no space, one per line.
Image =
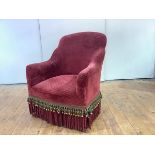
62,119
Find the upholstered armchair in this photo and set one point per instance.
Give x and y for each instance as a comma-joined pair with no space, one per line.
65,90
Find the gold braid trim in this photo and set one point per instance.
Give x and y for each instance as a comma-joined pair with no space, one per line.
70,110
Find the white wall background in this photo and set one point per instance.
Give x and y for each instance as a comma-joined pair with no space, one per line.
130,52
19,46
130,49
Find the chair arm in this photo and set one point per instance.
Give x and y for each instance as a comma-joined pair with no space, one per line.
88,81
38,72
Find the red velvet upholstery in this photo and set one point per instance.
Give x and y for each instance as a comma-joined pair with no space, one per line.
72,75
61,89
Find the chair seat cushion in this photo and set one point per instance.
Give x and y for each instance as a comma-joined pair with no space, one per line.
60,89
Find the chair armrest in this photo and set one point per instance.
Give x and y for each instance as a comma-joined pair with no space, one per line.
88,81
38,72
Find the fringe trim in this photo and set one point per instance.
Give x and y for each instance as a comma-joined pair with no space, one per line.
78,118
70,121
71,110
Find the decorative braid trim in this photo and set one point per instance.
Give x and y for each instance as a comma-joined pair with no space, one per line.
70,110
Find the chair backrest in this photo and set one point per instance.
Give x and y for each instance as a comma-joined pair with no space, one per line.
77,50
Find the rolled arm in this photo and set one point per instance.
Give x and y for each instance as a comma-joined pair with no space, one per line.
88,81
38,72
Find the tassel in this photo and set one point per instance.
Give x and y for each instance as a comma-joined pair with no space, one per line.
75,122
80,119
40,112
33,110
68,125
55,118
30,107
71,126
64,120
43,115
47,116
47,119
37,111
81,123
50,117
84,121
78,123
69,121
60,119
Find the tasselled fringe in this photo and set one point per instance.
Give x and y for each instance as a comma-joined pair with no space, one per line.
69,117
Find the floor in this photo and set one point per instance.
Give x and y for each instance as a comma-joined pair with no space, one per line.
128,107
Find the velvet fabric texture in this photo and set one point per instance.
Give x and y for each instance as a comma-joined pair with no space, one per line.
72,75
